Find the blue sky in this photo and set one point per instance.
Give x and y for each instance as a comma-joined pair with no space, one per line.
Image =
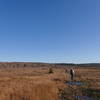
50,30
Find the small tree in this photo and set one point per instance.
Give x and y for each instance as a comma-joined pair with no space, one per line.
50,70
24,65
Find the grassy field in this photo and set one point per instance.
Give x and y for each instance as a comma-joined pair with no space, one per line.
89,89
27,83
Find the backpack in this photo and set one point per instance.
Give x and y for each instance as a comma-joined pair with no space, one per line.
72,71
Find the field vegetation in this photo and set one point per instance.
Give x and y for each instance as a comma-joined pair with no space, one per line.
37,82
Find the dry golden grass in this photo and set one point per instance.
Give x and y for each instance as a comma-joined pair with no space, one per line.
89,73
36,84
29,84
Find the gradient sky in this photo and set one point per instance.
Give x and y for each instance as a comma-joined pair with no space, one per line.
50,30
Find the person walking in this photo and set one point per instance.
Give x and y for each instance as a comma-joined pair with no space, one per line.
72,73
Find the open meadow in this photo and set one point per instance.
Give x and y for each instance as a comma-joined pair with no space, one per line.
36,83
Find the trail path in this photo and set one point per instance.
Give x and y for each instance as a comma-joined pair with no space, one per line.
77,96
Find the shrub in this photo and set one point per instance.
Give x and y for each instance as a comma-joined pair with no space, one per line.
50,70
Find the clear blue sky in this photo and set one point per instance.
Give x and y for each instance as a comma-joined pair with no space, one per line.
50,30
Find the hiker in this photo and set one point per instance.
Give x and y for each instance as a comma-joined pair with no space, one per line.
72,73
